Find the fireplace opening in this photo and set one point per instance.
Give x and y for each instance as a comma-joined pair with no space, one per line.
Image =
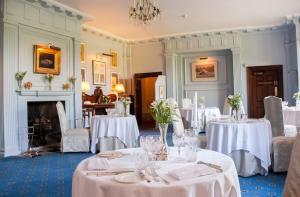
44,122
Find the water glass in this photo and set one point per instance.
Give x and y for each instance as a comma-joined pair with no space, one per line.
141,160
178,141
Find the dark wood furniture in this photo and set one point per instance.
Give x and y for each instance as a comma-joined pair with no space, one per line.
98,108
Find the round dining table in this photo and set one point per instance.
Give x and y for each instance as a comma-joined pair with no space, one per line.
221,183
123,127
251,135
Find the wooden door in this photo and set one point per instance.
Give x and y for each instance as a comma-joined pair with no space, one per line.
263,81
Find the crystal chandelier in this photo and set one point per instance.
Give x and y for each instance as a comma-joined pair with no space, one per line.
144,11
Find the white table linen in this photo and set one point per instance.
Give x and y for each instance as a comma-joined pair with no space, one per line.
225,183
203,115
251,135
125,128
291,116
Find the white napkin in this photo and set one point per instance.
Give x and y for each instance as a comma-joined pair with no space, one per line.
191,171
97,164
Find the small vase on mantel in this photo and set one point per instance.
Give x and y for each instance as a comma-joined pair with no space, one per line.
49,86
19,85
163,155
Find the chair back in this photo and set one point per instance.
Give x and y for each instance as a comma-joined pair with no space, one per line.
176,118
186,103
110,143
292,181
273,113
227,108
119,107
62,117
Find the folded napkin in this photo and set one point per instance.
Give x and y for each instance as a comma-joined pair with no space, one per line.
192,171
97,164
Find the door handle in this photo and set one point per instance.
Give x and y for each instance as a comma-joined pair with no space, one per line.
276,91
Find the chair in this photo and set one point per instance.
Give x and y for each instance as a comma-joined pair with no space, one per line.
110,143
186,103
227,108
72,140
292,181
176,118
281,144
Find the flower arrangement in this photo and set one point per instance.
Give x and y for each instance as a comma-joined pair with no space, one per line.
28,85
126,102
105,99
19,77
234,101
162,111
72,80
296,96
49,78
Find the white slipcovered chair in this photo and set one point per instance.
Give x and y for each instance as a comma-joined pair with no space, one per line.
227,108
292,181
72,140
176,118
186,103
283,136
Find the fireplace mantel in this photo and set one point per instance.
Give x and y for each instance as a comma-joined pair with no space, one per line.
44,93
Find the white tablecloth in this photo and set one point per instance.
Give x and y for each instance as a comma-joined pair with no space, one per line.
125,128
251,135
225,183
207,114
291,116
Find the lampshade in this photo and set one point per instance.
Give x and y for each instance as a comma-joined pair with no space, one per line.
119,88
85,87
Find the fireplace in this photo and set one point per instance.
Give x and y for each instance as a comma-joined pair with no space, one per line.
44,122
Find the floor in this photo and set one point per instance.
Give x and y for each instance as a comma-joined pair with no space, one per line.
51,175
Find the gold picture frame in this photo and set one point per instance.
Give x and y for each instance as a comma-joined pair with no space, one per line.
114,59
114,79
204,71
82,53
47,60
99,72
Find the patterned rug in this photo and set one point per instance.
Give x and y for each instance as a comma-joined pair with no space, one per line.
50,175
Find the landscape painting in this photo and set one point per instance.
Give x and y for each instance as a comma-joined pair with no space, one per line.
204,71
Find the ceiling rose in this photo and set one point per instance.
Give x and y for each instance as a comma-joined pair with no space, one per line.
144,11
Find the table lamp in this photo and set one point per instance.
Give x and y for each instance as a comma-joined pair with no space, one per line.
85,87
119,88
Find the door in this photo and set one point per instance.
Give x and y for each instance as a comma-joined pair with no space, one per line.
263,81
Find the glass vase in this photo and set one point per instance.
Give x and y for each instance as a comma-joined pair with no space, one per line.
49,86
235,114
19,85
297,103
163,153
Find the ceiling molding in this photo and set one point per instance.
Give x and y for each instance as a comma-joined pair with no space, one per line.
62,8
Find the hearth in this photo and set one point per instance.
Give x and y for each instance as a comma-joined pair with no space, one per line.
44,123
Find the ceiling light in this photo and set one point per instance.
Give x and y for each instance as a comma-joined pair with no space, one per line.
144,11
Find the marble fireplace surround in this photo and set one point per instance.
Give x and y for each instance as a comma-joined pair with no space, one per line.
28,96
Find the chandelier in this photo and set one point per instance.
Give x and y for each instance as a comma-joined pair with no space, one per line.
144,11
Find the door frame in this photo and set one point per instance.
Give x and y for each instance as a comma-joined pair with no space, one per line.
251,69
139,76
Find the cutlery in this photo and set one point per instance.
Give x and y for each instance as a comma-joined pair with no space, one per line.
157,175
217,167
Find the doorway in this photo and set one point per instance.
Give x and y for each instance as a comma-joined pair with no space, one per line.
263,81
144,95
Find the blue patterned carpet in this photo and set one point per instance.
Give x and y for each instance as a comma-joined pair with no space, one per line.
51,176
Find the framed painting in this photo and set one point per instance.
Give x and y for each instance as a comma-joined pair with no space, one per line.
47,60
83,74
99,72
114,59
114,79
204,71
82,53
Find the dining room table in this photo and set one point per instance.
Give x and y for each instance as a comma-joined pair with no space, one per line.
212,175
252,136
291,116
123,127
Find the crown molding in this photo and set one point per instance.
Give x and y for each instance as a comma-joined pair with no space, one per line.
62,8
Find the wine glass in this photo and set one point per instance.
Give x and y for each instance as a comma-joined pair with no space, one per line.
178,141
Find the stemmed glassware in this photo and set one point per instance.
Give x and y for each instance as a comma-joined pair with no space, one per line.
151,145
178,141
